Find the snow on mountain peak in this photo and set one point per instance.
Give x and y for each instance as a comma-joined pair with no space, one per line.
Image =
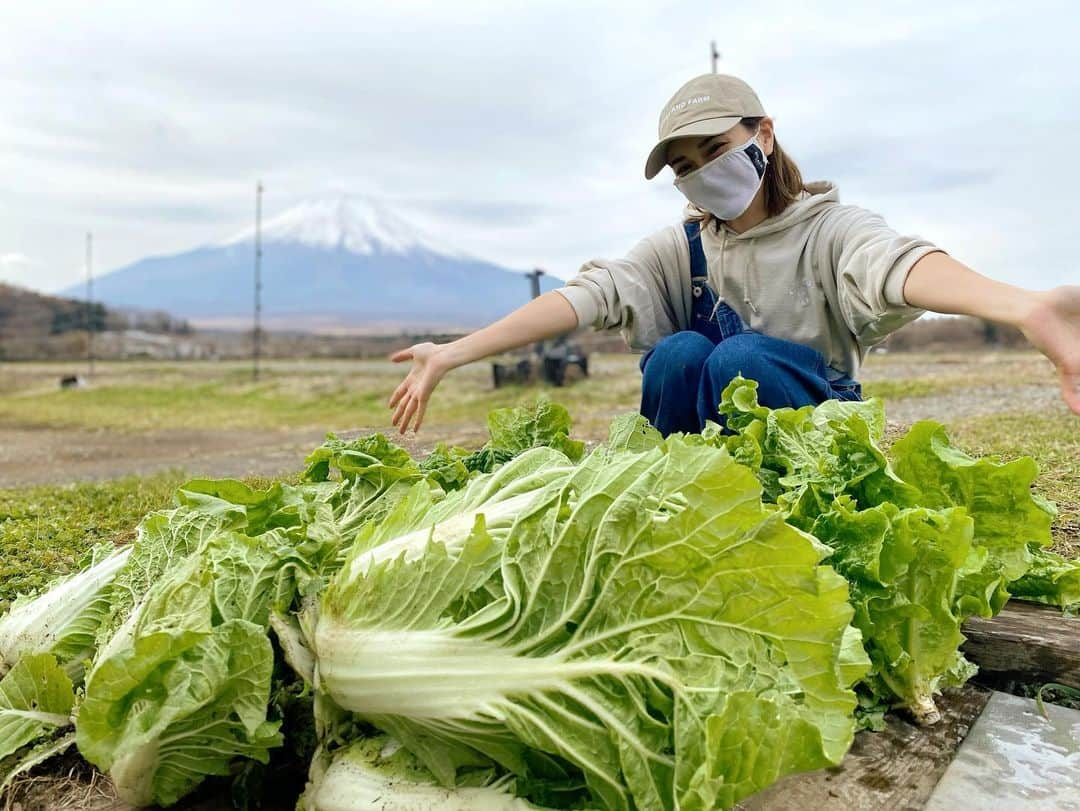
359,225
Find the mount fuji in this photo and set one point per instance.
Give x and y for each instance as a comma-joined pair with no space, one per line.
336,262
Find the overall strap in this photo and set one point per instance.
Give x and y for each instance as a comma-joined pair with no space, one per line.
699,268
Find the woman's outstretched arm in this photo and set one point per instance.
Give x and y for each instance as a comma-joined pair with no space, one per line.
1050,320
544,317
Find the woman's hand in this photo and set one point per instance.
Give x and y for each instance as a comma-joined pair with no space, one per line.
542,318
1053,327
411,395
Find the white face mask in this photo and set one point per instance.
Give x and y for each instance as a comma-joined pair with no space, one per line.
725,186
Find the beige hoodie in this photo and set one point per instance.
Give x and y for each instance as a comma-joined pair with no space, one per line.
822,274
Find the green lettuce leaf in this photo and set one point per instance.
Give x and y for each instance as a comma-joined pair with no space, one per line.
807,457
182,688
446,467
903,567
36,698
1050,579
359,456
546,424
632,432
1009,519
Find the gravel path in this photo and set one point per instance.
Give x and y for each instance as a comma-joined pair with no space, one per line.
975,401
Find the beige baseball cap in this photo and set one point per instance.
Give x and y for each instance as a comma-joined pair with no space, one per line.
706,105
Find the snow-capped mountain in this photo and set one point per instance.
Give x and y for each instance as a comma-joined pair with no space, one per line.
336,261
358,225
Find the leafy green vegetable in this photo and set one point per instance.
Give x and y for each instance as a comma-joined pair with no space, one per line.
36,697
1050,579
926,539
62,620
664,623
179,696
632,432
807,457
903,567
515,430
358,457
1009,519
446,466
378,774
505,628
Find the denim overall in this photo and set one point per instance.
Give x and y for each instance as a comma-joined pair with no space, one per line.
715,321
685,373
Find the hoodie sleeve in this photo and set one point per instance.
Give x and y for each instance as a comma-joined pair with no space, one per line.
640,294
871,263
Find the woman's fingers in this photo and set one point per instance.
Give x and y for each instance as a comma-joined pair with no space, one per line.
402,354
420,414
399,392
410,410
400,410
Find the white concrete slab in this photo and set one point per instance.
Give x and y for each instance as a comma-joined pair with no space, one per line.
1014,759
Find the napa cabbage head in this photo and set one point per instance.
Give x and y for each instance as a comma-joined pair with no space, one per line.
641,621
378,774
182,689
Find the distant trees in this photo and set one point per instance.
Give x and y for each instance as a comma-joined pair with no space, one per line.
37,326
955,333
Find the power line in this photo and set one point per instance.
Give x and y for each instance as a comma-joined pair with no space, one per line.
256,335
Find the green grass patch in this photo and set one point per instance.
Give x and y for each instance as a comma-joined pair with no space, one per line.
45,531
221,405
897,389
345,396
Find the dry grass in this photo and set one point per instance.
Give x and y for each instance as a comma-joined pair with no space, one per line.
70,784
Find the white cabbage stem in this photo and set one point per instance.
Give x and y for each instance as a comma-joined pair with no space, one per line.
33,626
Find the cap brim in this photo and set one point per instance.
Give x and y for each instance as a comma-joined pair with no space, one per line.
710,126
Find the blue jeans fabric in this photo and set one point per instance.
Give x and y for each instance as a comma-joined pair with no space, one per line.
685,373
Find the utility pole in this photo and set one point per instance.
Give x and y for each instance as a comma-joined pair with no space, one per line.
534,280
715,54
89,307
534,285
256,334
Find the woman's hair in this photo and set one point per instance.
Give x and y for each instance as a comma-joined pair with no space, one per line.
783,181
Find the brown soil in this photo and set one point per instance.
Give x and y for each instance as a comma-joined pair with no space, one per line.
30,455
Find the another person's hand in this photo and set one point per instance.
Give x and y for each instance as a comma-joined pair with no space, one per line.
1053,327
410,398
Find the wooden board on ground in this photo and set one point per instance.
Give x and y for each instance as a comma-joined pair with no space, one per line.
895,770
1026,642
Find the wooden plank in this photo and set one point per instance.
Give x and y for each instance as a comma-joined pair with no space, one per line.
894,770
1026,642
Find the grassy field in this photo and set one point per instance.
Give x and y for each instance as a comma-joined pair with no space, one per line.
143,414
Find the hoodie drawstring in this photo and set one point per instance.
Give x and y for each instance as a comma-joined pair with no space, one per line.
720,285
748,275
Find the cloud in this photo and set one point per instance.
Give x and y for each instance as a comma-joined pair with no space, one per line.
518,131
20,270
14,260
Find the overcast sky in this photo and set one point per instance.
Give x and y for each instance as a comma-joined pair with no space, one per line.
518,131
